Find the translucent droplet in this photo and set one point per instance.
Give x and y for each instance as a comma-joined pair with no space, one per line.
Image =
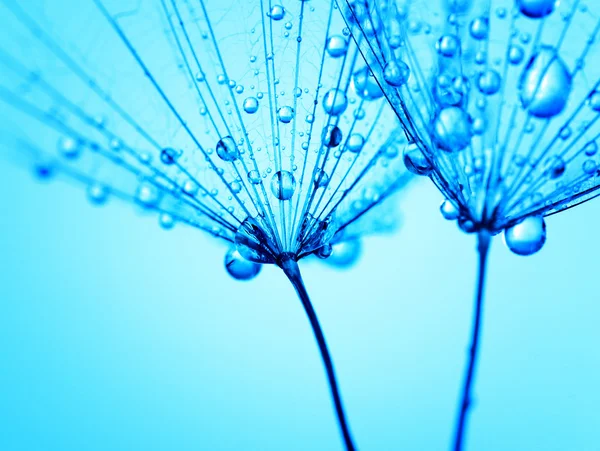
321,178
449,211
526,237
448,45
594,101
345,253
277,12
69,147
591,148
324,251
545,84
465,224
536,8
166,221
97,194
239,268
254,177
489,82
285,114
168,155
331,136
283,185
415,161
452,129
147,195
337,46
251,105
365,84
227,150
335,102
479,28
589,166
355,143
556,167
515,54
396,73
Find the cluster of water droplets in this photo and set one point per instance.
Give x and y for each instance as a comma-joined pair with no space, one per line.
502,99
258,122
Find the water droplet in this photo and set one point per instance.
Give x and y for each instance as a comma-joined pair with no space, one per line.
251,105
589,166
415,161
365,84
355,143
331,136
515,54
396,73
239,268
324,251
147,195
69,147
545,84
489,82
277,12
166,221
452,129
254,177
556,167
168,155
285,114
591,148
536,8
465,224
335,102
449,211
321,178
97,194
337,46
227,150
283,185
448,45
527,237
345,253
594,100
479,28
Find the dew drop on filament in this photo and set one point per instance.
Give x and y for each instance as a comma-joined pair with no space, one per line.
527,237
239,268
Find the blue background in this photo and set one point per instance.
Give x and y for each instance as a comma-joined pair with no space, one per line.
115,334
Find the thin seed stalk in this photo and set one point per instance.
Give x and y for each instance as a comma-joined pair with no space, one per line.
483,246
291,270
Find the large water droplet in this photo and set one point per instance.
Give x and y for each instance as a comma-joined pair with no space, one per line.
536,8
345,253
251,105
489,82
331,136
355,143
277,12
321,178
526,237
147,195
452,129
337,46
335,102
396,73
448,45
285,114
283,185
479,28
239,268
545,84
227,150
365,85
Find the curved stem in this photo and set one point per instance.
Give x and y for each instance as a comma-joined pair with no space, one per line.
483,246
291,270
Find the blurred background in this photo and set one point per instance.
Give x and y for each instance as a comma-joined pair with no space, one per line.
115,334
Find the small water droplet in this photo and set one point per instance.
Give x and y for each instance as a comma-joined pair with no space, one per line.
321,178
166,221
489,82
415,161
335,102
536,8
168,155
97,194
396,73
365,84
452,129
251,105
227,150
69,147
355,143
448,45
337,46
479,28
147,195
285,114
331,136
449,211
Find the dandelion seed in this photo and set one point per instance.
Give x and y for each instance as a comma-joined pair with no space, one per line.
259,124
501,108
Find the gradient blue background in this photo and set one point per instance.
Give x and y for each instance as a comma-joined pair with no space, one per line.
115,334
